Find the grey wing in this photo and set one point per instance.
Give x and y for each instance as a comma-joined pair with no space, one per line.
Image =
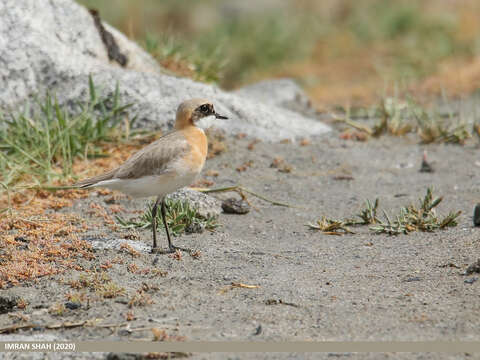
154,159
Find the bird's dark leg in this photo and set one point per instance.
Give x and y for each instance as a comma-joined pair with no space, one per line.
171,247
154,223
162,208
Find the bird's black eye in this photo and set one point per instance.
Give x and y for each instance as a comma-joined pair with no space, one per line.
205,108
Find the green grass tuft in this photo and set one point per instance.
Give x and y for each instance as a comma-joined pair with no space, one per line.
42,142
398,118
233,51
408,219
412,218
181,217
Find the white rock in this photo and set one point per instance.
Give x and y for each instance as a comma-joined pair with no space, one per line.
206,205
55,46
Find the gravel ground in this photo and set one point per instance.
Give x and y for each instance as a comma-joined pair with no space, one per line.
311,286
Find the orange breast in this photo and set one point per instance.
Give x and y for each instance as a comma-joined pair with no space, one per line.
198,148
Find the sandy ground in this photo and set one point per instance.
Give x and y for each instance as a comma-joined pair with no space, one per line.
360,286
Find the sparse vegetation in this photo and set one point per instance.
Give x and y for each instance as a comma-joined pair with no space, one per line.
408,219
98,282
368,215
394,42
57,309
412,218
41,143
190,60
398,118
331,227
180,216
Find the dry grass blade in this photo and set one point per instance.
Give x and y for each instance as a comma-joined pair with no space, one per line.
239,189
234,285
354,124
450,220
367,216
241,285
63,325
331,227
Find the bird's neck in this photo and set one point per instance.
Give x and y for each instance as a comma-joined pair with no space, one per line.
183,120
197,139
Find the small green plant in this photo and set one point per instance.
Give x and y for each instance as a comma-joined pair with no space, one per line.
199,62
367,215
181,217
398,118
408,219
42,142
57,309
100,283
432,128
412,218
233,51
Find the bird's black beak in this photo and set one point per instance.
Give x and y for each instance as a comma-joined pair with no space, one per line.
218,116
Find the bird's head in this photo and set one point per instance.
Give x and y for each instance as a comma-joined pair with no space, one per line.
190,112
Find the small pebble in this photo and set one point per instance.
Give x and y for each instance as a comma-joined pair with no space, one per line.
473,268
471,280
426,167
194,228
72,305
235,206
8,303
476,215
124,332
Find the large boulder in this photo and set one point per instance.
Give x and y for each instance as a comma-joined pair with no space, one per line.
56,45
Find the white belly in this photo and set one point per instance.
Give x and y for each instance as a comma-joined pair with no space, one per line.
150,185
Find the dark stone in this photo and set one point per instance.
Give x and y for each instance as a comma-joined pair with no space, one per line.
72,305
471,280
473,268
7,303
235,206
476,215
426,167
21,238
194,228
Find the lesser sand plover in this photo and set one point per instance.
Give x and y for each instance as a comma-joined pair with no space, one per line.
169,163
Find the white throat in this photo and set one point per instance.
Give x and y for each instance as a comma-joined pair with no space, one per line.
206,122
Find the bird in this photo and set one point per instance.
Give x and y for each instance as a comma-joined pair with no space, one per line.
171,162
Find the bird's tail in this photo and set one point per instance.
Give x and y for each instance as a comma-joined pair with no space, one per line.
93,181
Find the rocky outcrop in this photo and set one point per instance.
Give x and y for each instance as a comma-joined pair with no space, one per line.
56,45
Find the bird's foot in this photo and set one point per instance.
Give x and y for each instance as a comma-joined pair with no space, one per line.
171,250
157,250
175,248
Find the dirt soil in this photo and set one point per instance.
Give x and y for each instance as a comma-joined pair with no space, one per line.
308,285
